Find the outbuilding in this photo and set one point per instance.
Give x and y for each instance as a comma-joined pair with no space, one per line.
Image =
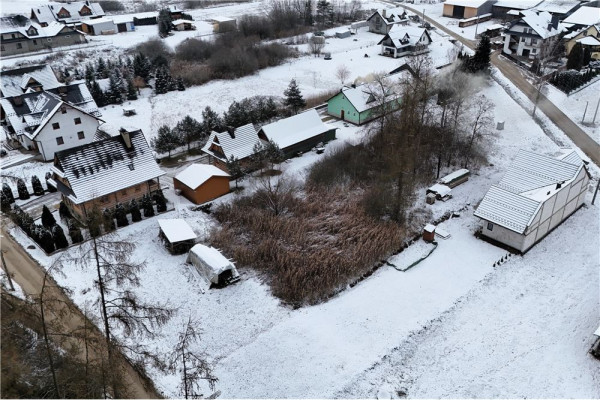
200,183
223,24
213,266
99,26
177,235
359,104
183,25
467,8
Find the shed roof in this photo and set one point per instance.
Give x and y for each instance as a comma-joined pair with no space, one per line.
212,257
98,21
240,146
222,19
529,181
176,230
106,166
295,129
196,174
584,16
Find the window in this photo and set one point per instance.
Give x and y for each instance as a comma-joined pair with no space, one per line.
80,135
49,39
490,226
534,41
35,42
12,35
77,121
19,46
534,51
55,126
522,39
60,140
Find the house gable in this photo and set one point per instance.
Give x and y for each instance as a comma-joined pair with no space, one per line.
63,13
85,11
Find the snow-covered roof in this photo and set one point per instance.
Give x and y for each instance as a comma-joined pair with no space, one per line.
14,82
24,26
98,21
222,19
558,6
517,4
390,18
454,175
541,23
240,146
295,129
589,41
529,181
466,3
584,16
211,257
404,36
176,230
49,12
100,168
440,189
196,174
362,97
182,22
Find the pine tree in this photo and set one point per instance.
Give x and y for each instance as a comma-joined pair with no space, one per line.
97,93
147,206
46,241
211,121
75,232
115,89
8,193
134,209
161,201
164,22
47,218
235,169
36,185
22,189
166,140
4,202
131,90
308,13
63,211
101,70
60,240
121,215
239,113
293,97
323,7
108,220
258,157
51,189
179,85
188,130
141,66
161,83
273,154
587,56
481,59
575,58
90,73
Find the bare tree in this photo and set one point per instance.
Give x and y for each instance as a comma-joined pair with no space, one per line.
384,98
482,121
342,73
276,194
194,367
316,44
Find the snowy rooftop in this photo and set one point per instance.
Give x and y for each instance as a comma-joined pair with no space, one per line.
289,131
240,146
529,181
517,4
558,6
405,35
15,82
391,16
49,12
454,175
540,22
176,230
103,20
196,174
212,257
222,19
466,3
589,41
362,97
584,16
106,166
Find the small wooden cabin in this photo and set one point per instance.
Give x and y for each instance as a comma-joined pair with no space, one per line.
177,235
200,183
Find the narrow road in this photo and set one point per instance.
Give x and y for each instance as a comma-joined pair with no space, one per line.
30,276
513,73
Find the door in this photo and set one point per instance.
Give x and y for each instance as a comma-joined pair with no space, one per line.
343,112
458,12
122,27
526,52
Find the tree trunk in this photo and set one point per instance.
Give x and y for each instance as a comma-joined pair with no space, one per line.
47,341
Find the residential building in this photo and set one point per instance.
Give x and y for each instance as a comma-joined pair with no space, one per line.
299,133
464,9
584,16
20,35
588,37
536,32
383,21
71,12
105,173
361,104
405,40
559,8
509,9
535,195
15,82
200,183
238,143
51,120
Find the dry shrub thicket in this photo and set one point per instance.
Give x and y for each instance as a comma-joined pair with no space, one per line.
357,205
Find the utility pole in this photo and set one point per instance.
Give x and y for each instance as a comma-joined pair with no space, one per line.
596,192
596,113
585,111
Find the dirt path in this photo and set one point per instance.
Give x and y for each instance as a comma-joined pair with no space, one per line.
29,275
513,73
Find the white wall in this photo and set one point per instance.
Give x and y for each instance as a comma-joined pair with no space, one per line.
46,139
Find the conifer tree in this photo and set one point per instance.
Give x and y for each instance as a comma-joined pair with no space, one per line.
36,185
60,240
63,211
75,231
46,241
22,189
101,70
481,59
308,13
8,193
115,89
235,169
121,215
166,140
293,97
108,220
51,188
147,206
4,202
188,130
131,90
134,209
161,201
47,218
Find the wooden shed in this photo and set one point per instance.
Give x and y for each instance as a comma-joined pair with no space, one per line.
177,235
467,8
456,178
200,183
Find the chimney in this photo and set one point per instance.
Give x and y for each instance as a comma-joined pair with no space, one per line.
231,131
126,138
384,13
555,21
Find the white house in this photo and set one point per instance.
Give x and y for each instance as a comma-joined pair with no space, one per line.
536,194
66,12
405,40
51,121
532,34
383,21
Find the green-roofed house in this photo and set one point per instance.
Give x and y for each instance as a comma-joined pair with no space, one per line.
359,105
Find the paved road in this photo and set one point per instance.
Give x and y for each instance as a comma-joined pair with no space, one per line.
29,275
513,73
